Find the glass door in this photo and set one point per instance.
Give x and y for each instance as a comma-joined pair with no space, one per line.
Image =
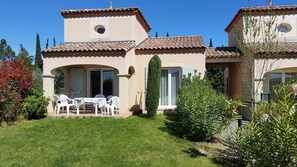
107,82
95,82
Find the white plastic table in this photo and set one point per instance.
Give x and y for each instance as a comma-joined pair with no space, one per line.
83,100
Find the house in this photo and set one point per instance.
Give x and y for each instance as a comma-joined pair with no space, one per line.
106,51
266,39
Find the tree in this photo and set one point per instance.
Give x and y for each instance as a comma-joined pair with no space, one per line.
38,59
210,43
24,57
259,34
54,41
46,45
215,76
167,35
153,85
156,34
6,53
59,81
15,82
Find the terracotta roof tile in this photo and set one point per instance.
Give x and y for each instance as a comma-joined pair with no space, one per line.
92,46
78,13
267,8
222,52
287,48
64,12
184,42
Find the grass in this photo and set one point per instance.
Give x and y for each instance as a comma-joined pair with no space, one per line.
135,141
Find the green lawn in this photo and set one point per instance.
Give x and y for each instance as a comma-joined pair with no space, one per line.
135,141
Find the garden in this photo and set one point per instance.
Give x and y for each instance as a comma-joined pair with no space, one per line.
189,137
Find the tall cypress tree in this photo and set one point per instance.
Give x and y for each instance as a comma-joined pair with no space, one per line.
54,41
156,34
38,60
210,43
153,86
46,45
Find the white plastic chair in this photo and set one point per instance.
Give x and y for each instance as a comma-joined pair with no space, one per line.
108,97
100,104
99,96
112,104
61,102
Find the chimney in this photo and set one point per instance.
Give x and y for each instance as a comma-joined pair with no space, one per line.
110,5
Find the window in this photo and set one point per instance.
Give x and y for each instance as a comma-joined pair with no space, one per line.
290,77
284,28
101,81
100,29
169,85
274,79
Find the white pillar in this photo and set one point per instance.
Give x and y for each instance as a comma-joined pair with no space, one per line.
49,90
123,94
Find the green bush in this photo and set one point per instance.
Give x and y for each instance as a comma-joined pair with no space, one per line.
34,107
201,111
9,110
271,139
153,86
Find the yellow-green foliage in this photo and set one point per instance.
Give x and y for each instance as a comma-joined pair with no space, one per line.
271,139
201,111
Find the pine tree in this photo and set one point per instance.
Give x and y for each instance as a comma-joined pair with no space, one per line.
156,34
153,85
6,52
38,60
167,35
24,57
46,45
54,41
210,43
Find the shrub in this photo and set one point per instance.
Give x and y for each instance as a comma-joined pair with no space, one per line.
34,107
201,111
15,82
153,85
271,139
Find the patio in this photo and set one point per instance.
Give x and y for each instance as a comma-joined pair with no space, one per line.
90,69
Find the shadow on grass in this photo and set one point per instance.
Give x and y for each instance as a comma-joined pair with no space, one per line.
227,157
171,126
194,153
224,156
144,116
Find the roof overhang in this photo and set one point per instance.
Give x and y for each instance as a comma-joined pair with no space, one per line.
261,11
169,51
79,13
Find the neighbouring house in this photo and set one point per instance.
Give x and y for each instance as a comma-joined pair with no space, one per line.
268,56
107,51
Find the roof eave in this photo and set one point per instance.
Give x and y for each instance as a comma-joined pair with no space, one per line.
108,12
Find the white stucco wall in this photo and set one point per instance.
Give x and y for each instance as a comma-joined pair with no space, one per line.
290,36
116,29
271,65
237,32
185,60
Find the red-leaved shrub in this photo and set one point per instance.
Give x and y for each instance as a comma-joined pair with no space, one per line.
15,81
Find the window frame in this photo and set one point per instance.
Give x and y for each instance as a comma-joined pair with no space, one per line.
170,70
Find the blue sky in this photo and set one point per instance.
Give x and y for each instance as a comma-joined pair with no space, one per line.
20,20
